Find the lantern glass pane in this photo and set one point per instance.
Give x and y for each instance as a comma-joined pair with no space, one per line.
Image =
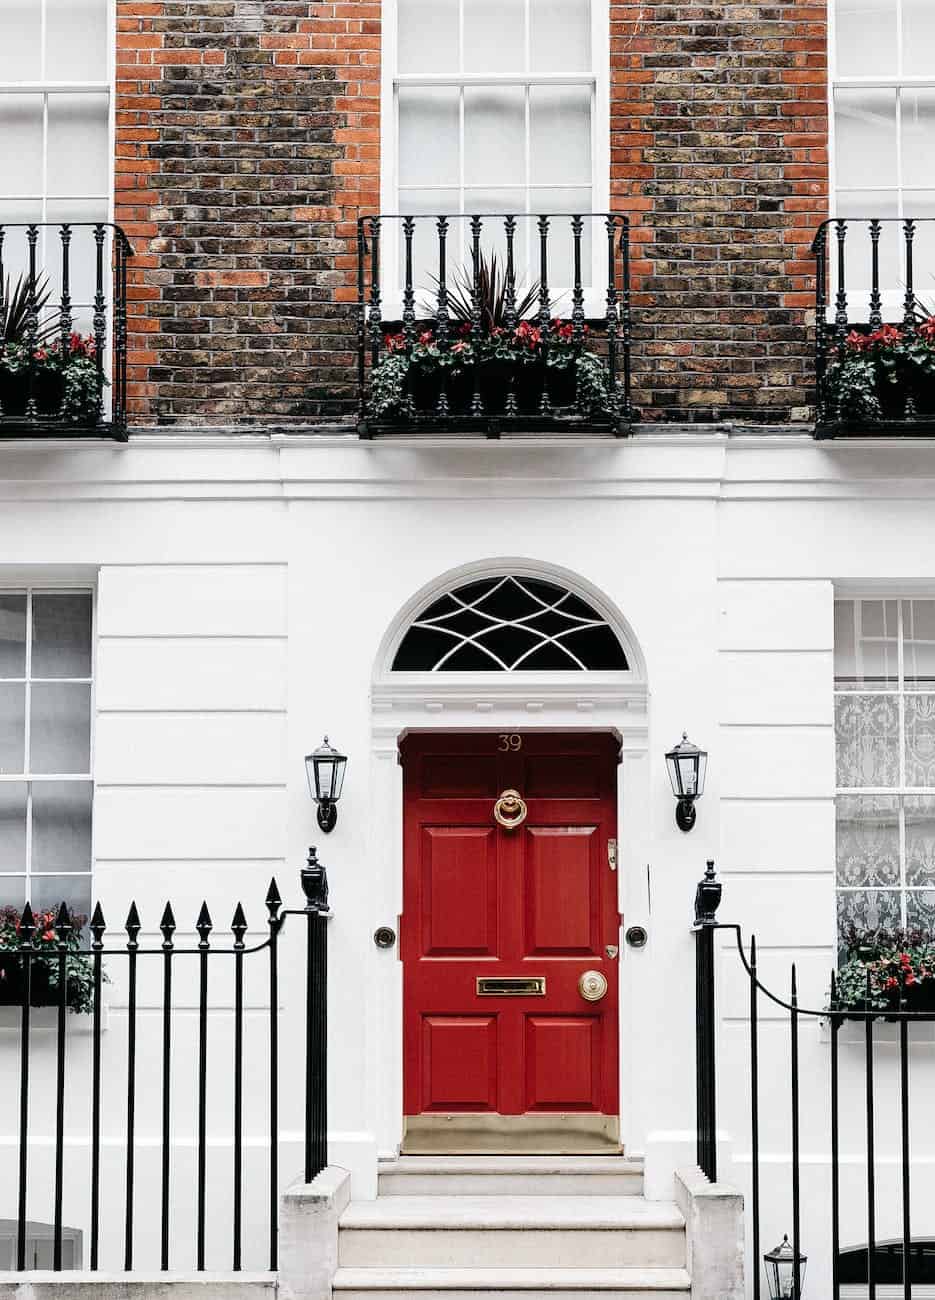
688,774
339,769
672,765
702,771
324,777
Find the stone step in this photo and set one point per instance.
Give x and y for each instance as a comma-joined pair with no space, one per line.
511,1232
511,1176
511,1283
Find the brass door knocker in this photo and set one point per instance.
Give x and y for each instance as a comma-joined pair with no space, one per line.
510,810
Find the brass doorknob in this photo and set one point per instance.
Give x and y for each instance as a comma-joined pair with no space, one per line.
510,810
592,985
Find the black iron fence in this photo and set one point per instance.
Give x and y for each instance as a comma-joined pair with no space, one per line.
879,1260
875,326
49,962
494,323
63,329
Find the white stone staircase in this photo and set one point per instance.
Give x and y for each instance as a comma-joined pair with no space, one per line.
511,1228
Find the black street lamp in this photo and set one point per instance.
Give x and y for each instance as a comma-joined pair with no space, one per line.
325,771
781,1272
687,765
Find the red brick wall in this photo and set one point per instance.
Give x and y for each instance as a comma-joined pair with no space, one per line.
248,140
719,128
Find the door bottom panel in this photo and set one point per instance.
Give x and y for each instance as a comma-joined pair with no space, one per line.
487,1134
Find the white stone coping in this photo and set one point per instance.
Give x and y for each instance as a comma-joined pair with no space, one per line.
137,1286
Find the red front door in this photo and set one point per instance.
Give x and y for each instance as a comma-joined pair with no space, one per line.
500,925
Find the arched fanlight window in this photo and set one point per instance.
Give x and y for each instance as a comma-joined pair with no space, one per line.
509,623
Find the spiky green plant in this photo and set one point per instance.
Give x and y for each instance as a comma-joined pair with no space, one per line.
15,308
491,293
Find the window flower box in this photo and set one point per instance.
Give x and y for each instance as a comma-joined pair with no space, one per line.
886,971
44,990
882,376
63,381
528,371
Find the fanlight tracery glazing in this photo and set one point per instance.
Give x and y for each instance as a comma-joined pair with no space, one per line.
507,624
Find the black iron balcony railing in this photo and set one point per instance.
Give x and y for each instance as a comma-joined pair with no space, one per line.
63,329
494,323
874,333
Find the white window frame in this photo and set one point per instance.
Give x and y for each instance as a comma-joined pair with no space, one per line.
44,87
390,80
892,297
900,792
27,778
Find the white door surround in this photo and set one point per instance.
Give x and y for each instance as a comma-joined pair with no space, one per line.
486,701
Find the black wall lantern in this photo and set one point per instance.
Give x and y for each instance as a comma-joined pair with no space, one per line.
781,1270
687,765
325,771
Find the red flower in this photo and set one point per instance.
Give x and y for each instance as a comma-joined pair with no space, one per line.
886,336
856,342
465,328
927,329
905,959
395,342
892,982
527,334
427,337
460,346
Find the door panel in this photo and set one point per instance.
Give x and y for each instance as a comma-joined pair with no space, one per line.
562,891
459,891
482,901
459,1055
563,1063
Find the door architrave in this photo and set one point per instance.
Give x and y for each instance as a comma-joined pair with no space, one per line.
615,702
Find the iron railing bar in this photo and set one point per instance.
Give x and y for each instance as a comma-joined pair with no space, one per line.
871,1156
835,1161
905,1152
238,925
132,926
276,921
168,928
97,930
755,1119
63,929
26,929
796,1192
204,929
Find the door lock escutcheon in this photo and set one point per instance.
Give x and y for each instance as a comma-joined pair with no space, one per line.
592,985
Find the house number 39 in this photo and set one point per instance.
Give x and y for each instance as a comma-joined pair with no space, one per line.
510,742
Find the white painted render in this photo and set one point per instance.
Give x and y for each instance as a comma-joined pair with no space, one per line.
248,591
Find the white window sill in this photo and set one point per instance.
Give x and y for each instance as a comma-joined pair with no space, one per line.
885,1033
43,1019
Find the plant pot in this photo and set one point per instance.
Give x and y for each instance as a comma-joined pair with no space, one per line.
49,391
14,392
13,983
561,382
493,383
530,383
892,398
923,393
424,387
460,389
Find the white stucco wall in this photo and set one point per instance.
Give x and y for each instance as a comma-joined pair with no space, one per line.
245,586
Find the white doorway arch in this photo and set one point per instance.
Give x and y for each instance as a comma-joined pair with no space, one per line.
496,701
